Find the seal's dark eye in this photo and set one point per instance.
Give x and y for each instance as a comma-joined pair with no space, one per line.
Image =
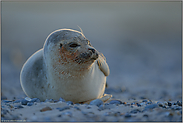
60,45
73,45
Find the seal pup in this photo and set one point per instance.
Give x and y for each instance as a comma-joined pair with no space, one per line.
67,66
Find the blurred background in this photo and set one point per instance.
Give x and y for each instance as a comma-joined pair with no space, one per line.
140,40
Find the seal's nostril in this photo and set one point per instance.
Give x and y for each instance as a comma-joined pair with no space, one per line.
93,50
97,55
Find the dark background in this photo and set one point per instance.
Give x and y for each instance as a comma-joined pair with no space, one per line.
140,40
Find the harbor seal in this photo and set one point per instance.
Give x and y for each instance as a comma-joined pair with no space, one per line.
67,66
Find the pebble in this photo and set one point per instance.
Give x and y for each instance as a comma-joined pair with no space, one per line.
4,111
63,108
77,108
7,101
30,103
61,99
143,103
145,115
135,111
9,105
169,104
149,102
110,106
88,106
179,103
24,102
49,100
151,106
35,100
160,104
164,107
117,102
17,101
145,100
45,109
124,103
175,107
127,104
18,106
96,102
138,104
168,114
55,101
103,107
69,103
166,103
127,115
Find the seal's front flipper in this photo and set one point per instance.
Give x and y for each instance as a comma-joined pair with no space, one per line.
104,98
103,66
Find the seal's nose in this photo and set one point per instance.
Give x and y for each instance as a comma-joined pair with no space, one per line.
93,50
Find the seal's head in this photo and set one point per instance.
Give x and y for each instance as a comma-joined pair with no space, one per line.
66,46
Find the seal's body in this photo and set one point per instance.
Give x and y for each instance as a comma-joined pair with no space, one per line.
68,67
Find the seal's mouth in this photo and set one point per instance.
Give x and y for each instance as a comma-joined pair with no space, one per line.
91,55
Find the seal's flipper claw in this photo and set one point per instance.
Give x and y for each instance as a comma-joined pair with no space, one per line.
106,97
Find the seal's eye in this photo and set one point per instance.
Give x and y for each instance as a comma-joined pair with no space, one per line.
60,45
73,45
